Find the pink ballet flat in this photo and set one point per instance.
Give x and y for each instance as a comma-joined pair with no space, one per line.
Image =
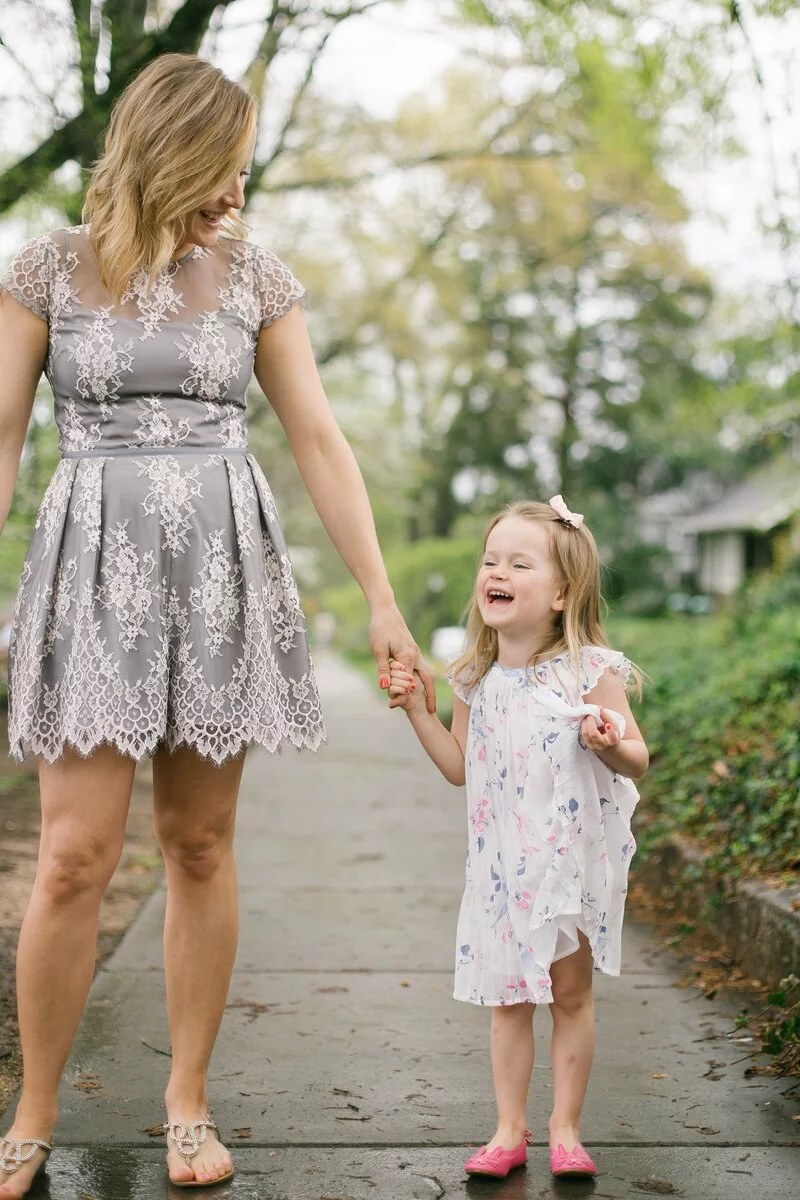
571,1162
498,1162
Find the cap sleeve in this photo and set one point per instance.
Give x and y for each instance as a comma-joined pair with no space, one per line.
597,659
31,275
467,694
278,289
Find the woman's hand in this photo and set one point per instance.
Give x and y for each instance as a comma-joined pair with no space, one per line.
390,639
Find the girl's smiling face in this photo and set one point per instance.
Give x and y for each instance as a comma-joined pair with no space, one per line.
518,588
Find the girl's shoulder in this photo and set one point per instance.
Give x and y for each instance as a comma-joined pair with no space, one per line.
560,671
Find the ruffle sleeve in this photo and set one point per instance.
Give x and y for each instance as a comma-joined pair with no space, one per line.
597,659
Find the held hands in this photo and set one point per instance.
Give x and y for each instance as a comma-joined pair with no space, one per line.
392,643
599,735
403,691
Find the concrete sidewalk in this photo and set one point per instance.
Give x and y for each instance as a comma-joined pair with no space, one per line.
344,1070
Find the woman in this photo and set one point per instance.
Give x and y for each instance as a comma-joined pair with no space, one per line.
157,613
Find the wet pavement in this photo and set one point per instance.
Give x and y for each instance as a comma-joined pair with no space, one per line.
344,1070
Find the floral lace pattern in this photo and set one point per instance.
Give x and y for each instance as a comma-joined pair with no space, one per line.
157,606
550,841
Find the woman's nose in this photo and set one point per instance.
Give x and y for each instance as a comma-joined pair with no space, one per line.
234,197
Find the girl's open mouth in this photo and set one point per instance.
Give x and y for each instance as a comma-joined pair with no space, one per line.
497,598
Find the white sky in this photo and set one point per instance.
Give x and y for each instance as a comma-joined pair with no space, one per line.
381,58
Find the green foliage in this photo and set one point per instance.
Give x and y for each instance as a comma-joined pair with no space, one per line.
722,719
432,581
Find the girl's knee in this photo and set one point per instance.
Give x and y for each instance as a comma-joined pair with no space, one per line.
572,994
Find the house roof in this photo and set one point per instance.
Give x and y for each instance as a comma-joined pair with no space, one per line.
768,498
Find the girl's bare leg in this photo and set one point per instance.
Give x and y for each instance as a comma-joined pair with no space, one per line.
84,808
512,1066
572,1047
195,807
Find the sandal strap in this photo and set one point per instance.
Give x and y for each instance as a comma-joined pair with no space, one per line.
186,1139
13,1152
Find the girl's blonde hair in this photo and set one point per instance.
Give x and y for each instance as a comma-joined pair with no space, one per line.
577,562
179,133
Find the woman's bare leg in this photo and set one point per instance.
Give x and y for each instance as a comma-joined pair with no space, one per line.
195,807
572,1047
512,1066
84,808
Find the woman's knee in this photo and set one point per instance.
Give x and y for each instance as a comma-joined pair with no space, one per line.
73,869
198,853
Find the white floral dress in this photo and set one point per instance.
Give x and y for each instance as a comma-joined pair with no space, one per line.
550,841
157,606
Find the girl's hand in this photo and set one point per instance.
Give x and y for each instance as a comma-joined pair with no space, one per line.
402,688
599,735
391,642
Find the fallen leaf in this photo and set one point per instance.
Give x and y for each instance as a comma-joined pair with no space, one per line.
153,1131
88,1083
660,1075
246,1132
404,983
657,1187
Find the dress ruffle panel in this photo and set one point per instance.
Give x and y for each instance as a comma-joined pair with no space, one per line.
157,608
550,845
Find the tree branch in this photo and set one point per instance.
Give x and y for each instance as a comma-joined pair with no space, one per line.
405,164
31,78
78,137
87,45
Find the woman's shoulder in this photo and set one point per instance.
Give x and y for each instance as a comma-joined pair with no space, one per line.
242,250
34,272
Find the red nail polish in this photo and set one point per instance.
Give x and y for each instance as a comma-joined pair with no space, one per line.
384,683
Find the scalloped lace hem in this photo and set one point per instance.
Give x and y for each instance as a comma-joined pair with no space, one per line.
141,748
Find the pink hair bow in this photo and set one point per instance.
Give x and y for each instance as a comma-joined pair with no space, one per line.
574,519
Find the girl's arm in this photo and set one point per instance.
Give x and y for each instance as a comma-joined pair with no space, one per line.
625,756
23,348
445,746
286,370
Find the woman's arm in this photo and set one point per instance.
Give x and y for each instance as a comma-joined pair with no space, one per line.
625,756
286,370
23,349
446,747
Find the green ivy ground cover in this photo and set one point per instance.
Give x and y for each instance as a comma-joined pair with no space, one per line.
721,715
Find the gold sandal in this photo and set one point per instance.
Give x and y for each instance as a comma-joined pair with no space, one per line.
14,1154
187,1142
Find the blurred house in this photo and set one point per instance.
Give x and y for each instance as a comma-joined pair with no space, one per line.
751,527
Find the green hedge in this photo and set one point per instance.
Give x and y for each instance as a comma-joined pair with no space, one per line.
721,716
432,581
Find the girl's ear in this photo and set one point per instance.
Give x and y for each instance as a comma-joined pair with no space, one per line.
559,601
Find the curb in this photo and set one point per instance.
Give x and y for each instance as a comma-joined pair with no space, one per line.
759,924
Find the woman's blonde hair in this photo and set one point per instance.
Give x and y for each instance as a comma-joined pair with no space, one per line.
577,562
178,134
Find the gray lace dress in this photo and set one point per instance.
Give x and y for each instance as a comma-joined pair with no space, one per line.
157,606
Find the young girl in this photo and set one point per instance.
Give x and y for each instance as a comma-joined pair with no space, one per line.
544,738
